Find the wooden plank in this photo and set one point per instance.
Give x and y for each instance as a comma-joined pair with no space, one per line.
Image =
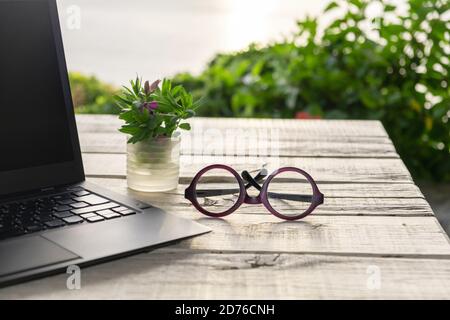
282,135
331,207
337,201
254,137
185,275
257,144
331,190
318,128
368,128
385,236
322,169
96,127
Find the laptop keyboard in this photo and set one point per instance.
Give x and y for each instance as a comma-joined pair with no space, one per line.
50,212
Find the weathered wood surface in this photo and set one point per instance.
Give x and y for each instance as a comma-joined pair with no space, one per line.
374,222
255,138
342,199
322,169
331,189
165,274
317,128
386,236
226,143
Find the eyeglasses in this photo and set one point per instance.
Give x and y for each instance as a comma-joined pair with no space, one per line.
288,193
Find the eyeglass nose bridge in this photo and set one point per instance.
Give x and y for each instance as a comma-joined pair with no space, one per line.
252,200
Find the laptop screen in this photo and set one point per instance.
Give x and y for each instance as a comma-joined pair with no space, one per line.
34,128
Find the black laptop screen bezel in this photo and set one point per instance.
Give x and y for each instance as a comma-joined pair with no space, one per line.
58,174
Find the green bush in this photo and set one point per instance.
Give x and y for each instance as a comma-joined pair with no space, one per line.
395,69
90,95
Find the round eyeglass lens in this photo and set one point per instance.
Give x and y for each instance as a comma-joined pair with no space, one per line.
217,191
290,193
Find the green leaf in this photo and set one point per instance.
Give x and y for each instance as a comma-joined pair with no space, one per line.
123,100
389,8
176,91
357,3
129,130
185,126
128,116
199,103
190,113
332,5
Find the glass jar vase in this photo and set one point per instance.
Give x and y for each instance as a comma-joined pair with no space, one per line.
154,165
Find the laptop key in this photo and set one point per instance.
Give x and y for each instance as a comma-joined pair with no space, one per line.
108,214
44,212
78,205
88,215
66,201
120,209
127,212
63,214
44,218
73,220
104,206
91,199
111,216
102,212
55,223
81,193
46,207
28,212
62,208
95,219
27,220
61,197
33,228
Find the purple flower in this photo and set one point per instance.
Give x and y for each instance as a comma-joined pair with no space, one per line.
153,105
150,106
150,88
155,85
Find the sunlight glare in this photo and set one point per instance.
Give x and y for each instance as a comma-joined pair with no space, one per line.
248,21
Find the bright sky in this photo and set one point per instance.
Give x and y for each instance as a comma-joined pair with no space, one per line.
115,39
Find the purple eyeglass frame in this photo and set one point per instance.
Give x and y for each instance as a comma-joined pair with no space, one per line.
316,200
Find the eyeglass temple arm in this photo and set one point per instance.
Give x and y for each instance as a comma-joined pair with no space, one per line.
213,193
284,196
293,197
253,182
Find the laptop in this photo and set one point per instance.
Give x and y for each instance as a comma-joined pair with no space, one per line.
50,217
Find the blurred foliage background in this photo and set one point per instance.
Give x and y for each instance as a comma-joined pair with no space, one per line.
393,67
90,95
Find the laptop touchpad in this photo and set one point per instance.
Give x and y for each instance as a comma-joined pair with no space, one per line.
20,255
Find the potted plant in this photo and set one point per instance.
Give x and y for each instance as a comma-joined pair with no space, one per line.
153,113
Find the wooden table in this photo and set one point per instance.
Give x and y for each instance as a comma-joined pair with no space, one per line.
375,236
